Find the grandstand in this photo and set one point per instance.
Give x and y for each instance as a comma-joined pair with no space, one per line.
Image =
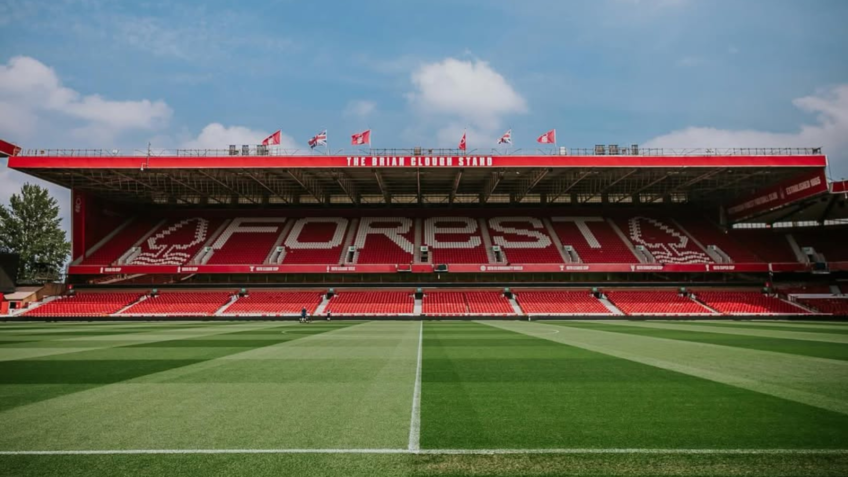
434,233
495,315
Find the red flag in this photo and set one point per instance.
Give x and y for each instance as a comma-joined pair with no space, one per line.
359,139
462,145
273,139
548,138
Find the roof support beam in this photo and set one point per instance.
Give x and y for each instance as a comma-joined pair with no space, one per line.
418,183
383,189
103,184
455,187
346,184
797,208
688,183
645,187
273,191
834,198
530,182
308,183
226,186
491,185
569,186
609,186
194,189
170,178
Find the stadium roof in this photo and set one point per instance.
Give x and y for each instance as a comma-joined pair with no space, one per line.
420,176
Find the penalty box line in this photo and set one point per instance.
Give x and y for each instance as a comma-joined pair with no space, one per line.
624,451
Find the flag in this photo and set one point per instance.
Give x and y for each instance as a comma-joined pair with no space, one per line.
273,139
506,138
548,138
462,144
319,139
359,139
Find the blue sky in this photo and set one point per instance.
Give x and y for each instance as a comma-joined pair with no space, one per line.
697,73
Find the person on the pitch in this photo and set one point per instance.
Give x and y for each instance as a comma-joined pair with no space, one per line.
303,315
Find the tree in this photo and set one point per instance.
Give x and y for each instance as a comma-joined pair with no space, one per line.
30,227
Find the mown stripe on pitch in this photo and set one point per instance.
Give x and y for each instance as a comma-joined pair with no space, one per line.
819,336
812,381
74,376
777,345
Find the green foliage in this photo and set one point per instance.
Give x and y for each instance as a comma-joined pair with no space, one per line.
30,227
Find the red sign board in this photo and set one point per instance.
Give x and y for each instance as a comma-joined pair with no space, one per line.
780,195
405,162
426,268
839,187
8,149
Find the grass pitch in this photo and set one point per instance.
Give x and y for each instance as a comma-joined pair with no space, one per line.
610,398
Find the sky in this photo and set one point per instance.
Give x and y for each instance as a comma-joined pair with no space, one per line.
206,74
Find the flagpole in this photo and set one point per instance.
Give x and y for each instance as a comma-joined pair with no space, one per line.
327,142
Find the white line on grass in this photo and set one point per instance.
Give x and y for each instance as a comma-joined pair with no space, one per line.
415,420
437,451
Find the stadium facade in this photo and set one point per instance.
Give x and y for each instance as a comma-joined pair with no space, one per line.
261,232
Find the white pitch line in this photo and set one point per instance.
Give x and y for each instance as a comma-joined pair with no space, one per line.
438,451
415,419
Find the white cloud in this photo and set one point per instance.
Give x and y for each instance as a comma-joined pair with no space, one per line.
360,108
470,91
32,97
830,131
218,136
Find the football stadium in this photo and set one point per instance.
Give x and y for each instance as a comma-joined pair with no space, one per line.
610,311
594,238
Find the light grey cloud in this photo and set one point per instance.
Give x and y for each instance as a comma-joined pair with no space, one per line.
360,108
829,131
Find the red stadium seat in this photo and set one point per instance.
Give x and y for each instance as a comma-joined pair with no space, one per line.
560,302
454,240
709,234
769,245
488,303
275,303
181,303
523,240
666,242
176,242
444,303
361,303
655,302
829,242
747,303
316,241
246,241
112,250
833,306
85,304
593,239
385,240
